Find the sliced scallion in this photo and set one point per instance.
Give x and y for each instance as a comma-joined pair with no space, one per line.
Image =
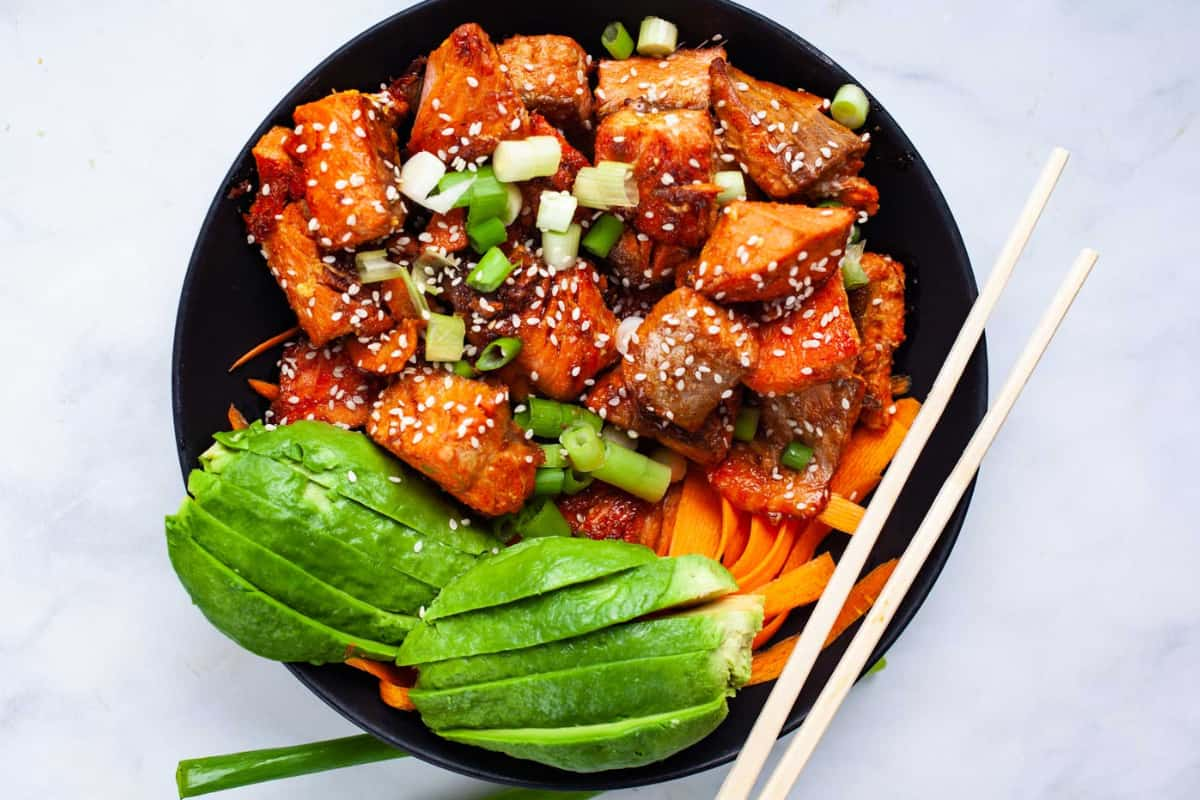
603,235
515,202
616,40
452,179
853,274
609,184
635,473
488,199
415,296
556,210
584,446
560,250
796,455
420,175
549,418
486,234
464,369
524,159
548,482
657,37
850,106
575,482
444,337
373,266
498,353
490,272
555,456
746,424
733,185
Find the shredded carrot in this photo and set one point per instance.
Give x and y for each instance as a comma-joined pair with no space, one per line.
769,629
799,587
389,673
773,562
842,514
766,665
697,526
396,696
264,388
868,453
236,421
735,531
806,544
262,347
670,510
762,536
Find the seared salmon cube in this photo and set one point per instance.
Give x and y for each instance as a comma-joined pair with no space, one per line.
328,303
351,167
561,181
468,103
321,383
780,137
459,432
764,251
280,181
687,356
386,353
445,233
672,153
550,73
814,343
603,511
678,81
642,263
878,309
858,193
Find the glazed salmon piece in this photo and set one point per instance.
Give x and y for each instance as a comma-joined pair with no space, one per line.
347,145
468,104
766,251
445,233
673,157
459,432
680,80
780,137
550,73
860,194
602,511
321,383
280,181
386,353
686,357
878,310
813,343
329,302
561,181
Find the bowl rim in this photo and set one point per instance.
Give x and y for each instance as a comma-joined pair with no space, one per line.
921,588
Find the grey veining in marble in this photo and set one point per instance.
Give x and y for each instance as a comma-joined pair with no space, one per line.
1057,656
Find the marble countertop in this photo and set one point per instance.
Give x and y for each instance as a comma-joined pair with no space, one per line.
1056,656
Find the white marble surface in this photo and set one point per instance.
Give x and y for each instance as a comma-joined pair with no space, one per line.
1056,658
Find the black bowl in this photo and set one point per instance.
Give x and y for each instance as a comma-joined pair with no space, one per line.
230,302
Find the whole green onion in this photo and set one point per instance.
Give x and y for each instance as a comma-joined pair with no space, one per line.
498,353
850,106
635,473
549,418
746,424
486,234
617,41
548,482
584,446
796,455
603,235
491,271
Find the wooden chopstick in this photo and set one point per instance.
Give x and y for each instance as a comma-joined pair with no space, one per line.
741,778
901,580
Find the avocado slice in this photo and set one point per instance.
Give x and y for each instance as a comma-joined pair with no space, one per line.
354,466
287,583
571,611
728,623
255,620
583,696
305,542
532,568
380,538
610,745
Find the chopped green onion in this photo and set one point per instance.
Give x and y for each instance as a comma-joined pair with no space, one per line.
796,455
488,199
486,234
747,424
575,482
609,184
878,666
672,460
620,438
853,275
444,336
603,235
515,202
490,272
556,211
420,175
374,266
523,159
584,446
549,418
498,353
452,179
523,417
855,233
428,266
555,456
616,40
850,106
657,37
830,204
635,473
733,185
560,250
415,295
464,369
548,482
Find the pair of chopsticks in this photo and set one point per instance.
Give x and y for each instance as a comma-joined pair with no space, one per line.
742,778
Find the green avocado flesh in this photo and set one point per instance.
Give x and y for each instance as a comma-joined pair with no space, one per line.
611,745
571,611
325,510
253,619
305,541
287,583
349,463
583,696
535,567
730,623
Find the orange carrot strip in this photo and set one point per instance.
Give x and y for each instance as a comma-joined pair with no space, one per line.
389,673
735,530
264,388
697,526
769,567
766,665
396,696
868,453
769,629
236,420
842,514
261,348
801,586
762,536
806,544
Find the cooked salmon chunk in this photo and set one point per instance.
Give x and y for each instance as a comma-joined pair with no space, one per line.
386,353
321,383
813,343
686,357
822,416
550,72
879,312
445,233
328,303
563,180
678,81
641,263
347,145
780,136
858,193
602,511
460,433
672,153
280,181
468,104
766,251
